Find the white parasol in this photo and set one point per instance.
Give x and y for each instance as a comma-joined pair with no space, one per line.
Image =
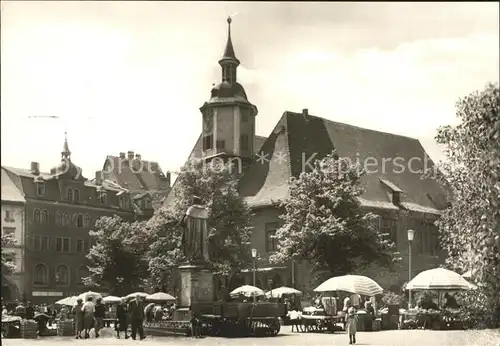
160,297
111,300
68,301
351,283
135,294
439,279
280,291
90,294
248,291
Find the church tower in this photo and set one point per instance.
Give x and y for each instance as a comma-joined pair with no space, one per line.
228,117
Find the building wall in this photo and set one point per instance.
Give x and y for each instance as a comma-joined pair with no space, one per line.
13,222
74,258
303,278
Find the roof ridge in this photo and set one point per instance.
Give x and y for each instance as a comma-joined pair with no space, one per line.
353,126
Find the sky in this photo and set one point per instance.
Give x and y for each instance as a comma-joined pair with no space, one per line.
122,76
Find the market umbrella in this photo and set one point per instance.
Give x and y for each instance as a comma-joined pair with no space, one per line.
111,300
247,291
90,294
351,283
68,301
280,291
160,297
439,279
133,295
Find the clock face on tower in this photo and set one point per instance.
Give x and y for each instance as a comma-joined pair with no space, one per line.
208,121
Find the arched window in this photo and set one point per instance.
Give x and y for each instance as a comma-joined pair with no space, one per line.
58,218
36,215
62,275
45,216
79,221
70,194
86,221
77,195
40,274
66,220
83,272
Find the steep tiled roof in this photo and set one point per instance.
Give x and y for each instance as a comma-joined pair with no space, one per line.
149,175
10,191
298,138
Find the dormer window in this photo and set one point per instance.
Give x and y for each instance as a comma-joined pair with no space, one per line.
102,197
123,201
396,197
40,188
147,203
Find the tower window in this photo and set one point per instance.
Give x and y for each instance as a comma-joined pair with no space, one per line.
244,142
70,194
221,144
208,142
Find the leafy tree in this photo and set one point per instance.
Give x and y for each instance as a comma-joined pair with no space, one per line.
470,227
117,261
229,228
8,266
323,222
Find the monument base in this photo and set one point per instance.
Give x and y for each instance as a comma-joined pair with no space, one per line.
196,285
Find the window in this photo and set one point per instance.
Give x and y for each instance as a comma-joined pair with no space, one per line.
82,272
79,246
79,221
86,221
62,275
123,201
37,243
388,226
9,230
40,274
58,218
244,142
244,117
36,215
44,242
271,241
45,216
62,244
70,194
208,142
102,197
9,216
220,144
147,203
40,188
66,219
77,195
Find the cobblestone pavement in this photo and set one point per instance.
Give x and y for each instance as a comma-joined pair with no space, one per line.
287,338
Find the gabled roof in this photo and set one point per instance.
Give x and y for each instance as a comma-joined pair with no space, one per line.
298,138
149,175
196,153
10,191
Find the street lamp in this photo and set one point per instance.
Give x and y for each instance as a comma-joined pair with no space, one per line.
411,234
254,256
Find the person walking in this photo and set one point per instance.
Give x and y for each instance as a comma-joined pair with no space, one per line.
136,311
99,315
88,316
78,314
351,323
121,323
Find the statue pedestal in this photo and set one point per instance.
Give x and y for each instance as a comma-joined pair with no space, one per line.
196,285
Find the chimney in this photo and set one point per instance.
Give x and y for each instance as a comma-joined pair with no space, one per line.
305,112
122,155
98,177
138,157
168,178
35,168
130,155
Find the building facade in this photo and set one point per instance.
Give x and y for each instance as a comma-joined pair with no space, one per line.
13,221
395,188
60,209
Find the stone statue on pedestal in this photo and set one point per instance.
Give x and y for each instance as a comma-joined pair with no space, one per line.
195,232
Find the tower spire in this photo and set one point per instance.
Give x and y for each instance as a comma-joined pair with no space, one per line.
65,153
229,62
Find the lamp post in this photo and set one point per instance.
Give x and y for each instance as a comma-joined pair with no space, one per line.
411,234
254,256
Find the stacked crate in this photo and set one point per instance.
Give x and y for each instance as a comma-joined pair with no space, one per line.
65,328
29,329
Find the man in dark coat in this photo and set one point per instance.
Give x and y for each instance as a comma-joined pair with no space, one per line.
136,311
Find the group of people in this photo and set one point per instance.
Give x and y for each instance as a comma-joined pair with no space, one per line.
89,315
